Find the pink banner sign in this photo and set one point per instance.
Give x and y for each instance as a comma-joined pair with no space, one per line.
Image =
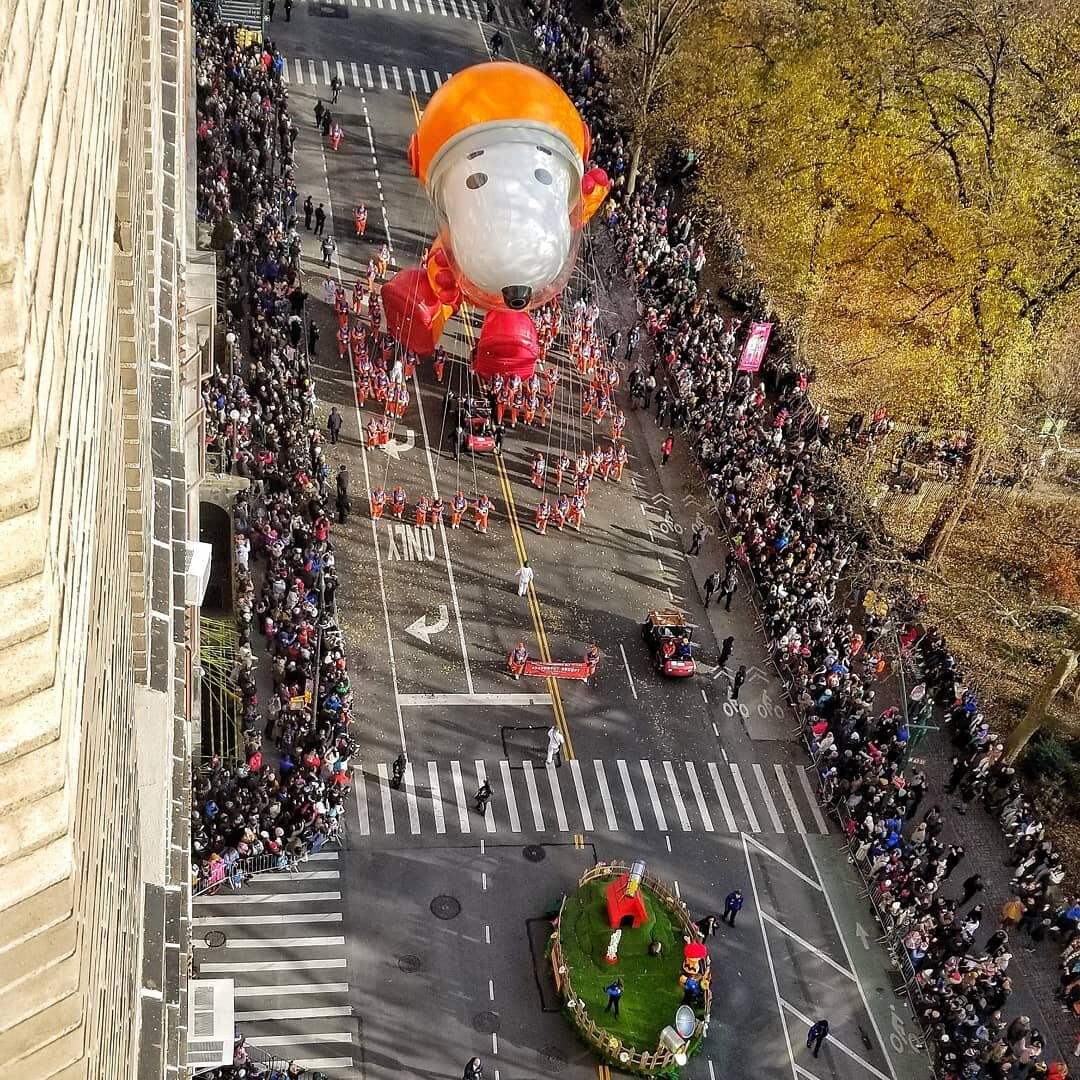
754,349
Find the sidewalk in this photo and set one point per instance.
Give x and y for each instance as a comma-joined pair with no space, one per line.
1034,975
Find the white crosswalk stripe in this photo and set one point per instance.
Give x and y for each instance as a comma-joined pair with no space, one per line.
582,797
505,15
534,796
654,796
631,798
379,77
292,993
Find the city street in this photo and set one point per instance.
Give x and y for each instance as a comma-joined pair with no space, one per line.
421,942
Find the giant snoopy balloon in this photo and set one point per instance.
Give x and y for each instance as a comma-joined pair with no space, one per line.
501,153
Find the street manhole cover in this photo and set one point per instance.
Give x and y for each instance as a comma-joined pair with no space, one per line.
409,963
445,907
214,939
555,1058
534,852
487,1023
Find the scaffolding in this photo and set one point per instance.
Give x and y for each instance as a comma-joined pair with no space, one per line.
221,707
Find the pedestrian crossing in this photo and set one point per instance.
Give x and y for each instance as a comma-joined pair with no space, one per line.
281,941
505,15
435,798
419,81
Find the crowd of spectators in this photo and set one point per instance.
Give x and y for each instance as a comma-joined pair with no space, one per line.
283,802
757,438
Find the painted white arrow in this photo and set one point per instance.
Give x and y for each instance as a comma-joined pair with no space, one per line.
424,631
862,935
396,449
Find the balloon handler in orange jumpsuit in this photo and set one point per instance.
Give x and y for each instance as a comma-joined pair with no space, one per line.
516,660
592,661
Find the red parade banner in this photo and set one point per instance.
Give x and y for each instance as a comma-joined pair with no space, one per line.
558,670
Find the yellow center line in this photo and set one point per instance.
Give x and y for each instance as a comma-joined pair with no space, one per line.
415,108
534,604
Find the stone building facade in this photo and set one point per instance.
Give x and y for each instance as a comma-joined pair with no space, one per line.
101,345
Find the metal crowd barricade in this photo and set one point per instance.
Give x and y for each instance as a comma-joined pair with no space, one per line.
237,873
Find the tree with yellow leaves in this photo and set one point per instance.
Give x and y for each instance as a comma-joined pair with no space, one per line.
905,178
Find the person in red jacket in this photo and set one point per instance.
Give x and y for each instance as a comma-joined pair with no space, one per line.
666,447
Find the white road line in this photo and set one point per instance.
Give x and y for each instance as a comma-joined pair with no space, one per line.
582,798
285,72
721,794
475,699
534,798
382,72
360,783
268,920
833,1041
283,943
774,817
292,1014
405,5
511,798
808,946
605,795
315,875
769,957
244,966
293,988
340,72
785,864
489,813
459,793
410,800
387,801
699,798
442,528
811,798
311,73
397,77
442,9
436,797
676,795
654,796
323,856
265,898
367,77
423,73
326,72
435,75
299,74
453,8
355,75
785,788
431,9
393,5
412,81
631,799
556,798
325,1063
851,965
740,787
449,75
304,1040
626,664
367,487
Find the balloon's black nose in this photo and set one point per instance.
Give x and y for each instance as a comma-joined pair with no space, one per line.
517,297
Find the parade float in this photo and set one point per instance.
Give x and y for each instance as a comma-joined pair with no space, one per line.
623,923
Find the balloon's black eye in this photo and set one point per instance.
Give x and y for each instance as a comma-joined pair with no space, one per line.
474,154
476,180
543,176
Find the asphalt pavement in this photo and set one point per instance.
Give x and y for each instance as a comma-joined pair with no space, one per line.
422,942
